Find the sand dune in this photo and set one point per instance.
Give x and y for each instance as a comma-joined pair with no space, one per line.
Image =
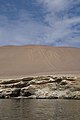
31,60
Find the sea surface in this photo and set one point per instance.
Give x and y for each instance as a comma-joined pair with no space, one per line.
39,109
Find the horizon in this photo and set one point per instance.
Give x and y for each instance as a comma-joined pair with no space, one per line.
34,45
44,22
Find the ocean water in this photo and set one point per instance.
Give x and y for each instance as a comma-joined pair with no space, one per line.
39,109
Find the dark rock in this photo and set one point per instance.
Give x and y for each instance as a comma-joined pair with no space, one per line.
27,79
15,92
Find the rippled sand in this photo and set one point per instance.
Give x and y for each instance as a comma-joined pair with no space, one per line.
16,61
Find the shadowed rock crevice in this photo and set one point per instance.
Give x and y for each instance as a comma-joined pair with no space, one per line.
15,93
27,94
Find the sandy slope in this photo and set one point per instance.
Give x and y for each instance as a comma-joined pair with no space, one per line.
29,60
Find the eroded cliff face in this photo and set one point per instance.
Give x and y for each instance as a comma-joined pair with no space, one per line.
50,87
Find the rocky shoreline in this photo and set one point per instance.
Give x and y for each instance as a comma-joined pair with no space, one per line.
41,87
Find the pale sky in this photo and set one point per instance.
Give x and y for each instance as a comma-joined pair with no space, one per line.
42,22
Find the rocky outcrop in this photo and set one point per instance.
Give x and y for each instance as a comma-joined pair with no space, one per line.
51,87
